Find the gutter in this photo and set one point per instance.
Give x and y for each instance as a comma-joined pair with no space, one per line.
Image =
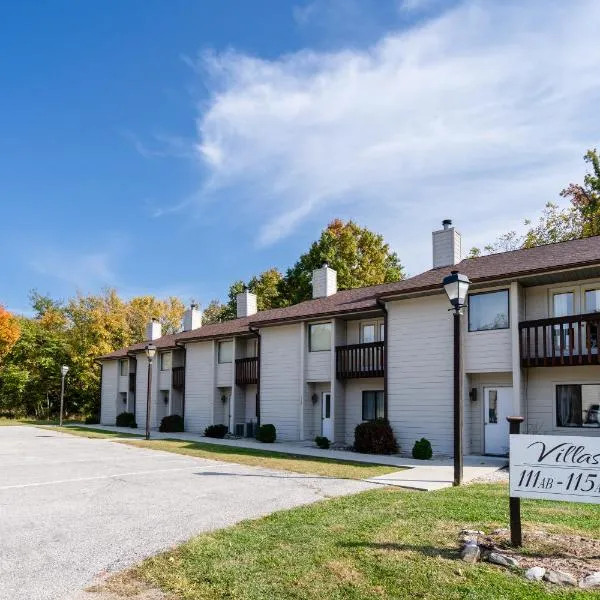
255,331
383,307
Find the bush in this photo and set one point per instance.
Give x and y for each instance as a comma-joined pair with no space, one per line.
216,431
322,442
126,419
92,420
422,449
375,437
267,434
172,424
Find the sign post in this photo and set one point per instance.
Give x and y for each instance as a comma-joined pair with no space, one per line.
514,502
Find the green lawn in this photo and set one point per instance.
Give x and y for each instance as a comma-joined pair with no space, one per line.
378,544
269,460
90,432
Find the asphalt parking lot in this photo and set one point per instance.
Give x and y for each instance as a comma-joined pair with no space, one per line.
73,508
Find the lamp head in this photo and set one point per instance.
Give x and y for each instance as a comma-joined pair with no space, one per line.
150,352
64,370
456,286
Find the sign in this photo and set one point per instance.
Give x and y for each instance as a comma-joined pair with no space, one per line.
550,467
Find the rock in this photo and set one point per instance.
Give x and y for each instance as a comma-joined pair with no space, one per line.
559,578
502,560
590,581
535,573
501,531
471,532
470,552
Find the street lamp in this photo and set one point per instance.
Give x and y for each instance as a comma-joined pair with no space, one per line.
456,287
150,353
63,372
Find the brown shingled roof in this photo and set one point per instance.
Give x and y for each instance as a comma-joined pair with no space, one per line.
504,265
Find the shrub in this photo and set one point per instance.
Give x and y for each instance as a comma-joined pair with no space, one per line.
322,442
92,420
267,434
216,431
422,449
126,419
172,423
375,437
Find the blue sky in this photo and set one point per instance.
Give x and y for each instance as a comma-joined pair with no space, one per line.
174,147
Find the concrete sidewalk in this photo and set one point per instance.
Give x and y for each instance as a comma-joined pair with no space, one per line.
434,474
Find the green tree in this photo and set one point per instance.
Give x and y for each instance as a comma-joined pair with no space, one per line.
213,313
360,257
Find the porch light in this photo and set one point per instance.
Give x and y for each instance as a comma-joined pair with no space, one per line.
150,352
456,286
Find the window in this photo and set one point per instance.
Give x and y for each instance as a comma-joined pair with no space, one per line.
124,367
252,348
225,352
563,305
577,405
319,335
381,332
372,332
592,301
123,396
165,361
372,405
488,310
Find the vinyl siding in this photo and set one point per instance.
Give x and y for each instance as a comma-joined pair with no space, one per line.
224,374
280,379
353,404
318,366
164,380
541,398
108,394
250,403
199,386
420,377
123,382
141,387
488,351
337,387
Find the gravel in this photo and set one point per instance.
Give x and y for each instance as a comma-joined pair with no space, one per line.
73,508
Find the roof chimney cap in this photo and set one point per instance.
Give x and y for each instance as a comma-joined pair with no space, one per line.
446,223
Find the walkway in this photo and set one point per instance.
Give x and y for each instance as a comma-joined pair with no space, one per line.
428,475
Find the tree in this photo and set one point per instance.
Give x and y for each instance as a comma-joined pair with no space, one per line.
9,332
213,313
360,257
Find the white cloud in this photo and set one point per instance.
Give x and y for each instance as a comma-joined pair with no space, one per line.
481,115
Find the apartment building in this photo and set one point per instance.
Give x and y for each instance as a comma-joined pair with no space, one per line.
529,347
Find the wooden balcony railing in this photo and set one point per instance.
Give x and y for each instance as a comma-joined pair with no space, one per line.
559,341
178,378
246,370
360,360
132,382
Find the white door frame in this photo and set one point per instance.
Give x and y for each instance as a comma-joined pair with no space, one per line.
328,434
484,389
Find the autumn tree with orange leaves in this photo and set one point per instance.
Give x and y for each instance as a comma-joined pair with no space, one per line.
9,332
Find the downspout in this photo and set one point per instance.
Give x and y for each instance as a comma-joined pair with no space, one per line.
182,346
99,363
133,356
255,331
383,307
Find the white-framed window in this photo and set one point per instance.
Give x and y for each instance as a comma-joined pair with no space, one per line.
252,348
225,352
488,311
372,331
123,397
591,300
319,337
372,405
563,304
124,366
166,360
578,405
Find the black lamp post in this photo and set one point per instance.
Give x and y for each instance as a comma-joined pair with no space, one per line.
456,287
150,353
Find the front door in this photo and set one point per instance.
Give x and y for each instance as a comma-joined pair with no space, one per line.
327,423
497,406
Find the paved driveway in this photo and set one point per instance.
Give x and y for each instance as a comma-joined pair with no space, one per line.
72,508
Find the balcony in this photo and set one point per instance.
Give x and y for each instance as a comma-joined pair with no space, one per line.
132,382
178,378
560,341
246,370
360,360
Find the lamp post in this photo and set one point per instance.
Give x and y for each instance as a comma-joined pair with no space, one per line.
150,353
456,287
63,372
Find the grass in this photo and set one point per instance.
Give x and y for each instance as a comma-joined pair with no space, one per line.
269,460
90,432
380,544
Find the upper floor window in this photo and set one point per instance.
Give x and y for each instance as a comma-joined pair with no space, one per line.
563,304
166,360
488,310
225,352
124,366
577,405
252,348
592,301
372,332
319,337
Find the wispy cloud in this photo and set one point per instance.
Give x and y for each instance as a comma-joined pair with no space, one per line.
161,146
84,271
481,114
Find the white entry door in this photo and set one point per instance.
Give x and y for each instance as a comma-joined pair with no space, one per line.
327,423
497,406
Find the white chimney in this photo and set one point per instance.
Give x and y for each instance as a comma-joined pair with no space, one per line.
446,245
192,318
153,330
324,282
246,304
